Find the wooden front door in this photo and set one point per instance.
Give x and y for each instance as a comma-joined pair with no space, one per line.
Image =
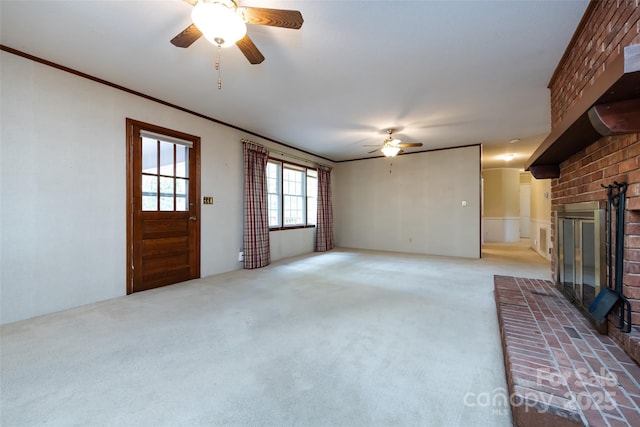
163,210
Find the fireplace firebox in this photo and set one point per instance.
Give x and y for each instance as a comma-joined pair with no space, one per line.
581,255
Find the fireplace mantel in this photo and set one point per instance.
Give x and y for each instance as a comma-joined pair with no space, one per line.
610,106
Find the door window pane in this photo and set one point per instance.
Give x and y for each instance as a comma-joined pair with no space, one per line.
149,156
182,161
166,194
149,193
182,194
166,158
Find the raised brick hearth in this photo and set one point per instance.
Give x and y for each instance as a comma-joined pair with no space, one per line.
560,371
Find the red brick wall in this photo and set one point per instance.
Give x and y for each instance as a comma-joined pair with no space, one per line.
607,27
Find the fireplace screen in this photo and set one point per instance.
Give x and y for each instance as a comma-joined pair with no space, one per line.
581,264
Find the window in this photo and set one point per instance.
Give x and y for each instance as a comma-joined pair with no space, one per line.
293,196
273,193
291,193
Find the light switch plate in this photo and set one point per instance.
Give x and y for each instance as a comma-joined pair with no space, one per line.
207,200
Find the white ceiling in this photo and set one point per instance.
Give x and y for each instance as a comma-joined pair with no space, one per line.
445,73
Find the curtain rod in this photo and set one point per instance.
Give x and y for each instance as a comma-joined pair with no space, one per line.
293,156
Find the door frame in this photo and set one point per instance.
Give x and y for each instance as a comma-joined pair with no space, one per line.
131,180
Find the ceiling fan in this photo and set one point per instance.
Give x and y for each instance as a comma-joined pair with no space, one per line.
223,23
391,147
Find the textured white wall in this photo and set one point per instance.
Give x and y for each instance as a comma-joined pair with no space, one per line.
63,191
501,229
411,203
288,243
501,220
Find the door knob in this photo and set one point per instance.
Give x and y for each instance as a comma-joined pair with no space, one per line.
192,218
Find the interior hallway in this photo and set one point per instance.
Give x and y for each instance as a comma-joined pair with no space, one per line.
345,338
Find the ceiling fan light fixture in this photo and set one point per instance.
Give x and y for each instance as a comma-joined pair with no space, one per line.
390,150
220,22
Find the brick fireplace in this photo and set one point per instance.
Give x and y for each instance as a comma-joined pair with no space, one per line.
581,176
595,139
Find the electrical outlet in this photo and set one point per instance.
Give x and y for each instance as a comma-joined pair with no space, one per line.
240,256
207,200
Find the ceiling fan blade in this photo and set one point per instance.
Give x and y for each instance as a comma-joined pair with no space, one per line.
187,36
377,149
273,17
250,50
409,144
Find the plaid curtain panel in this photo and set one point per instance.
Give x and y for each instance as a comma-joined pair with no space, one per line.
256,220
324,223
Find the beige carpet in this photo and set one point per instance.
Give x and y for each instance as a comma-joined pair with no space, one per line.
345,338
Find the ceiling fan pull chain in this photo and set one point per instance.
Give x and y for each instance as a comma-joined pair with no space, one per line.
218,67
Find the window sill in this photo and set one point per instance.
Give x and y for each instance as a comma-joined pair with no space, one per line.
292,227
